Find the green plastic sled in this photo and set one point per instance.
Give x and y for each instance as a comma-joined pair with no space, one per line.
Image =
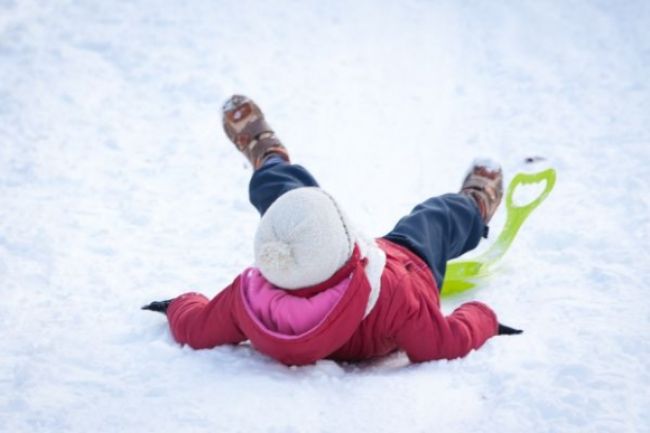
463,275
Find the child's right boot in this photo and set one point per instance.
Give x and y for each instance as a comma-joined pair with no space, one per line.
484,184
247,128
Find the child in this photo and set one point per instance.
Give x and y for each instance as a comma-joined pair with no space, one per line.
320,289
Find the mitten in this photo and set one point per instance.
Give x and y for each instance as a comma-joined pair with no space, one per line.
159,306
506,330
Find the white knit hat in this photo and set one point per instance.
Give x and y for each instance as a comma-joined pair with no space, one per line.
303,239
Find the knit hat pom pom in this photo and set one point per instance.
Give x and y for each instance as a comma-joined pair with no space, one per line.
275,256
302,240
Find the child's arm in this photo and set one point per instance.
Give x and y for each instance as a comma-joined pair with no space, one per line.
427,334
203,324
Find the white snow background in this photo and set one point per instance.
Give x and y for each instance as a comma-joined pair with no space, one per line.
118,187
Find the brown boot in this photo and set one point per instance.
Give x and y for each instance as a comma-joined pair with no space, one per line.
484,184
246,126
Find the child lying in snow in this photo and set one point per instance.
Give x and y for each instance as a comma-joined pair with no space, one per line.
319,289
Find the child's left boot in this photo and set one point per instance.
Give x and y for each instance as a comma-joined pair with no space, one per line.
484,184
247,128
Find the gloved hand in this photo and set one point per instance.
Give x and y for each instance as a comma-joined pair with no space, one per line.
159,306
506,330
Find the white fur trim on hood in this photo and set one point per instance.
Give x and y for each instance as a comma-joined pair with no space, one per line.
375,267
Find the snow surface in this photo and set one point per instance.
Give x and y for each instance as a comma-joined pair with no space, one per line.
118,187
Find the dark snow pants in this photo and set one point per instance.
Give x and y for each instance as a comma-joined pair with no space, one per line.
437,229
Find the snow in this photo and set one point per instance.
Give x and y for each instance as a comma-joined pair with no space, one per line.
118,187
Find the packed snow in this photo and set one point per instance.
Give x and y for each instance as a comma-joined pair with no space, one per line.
118,187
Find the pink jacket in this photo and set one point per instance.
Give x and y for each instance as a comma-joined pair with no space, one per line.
329,321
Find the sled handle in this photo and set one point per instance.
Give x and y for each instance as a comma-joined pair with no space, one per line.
461,275
525,179
518,214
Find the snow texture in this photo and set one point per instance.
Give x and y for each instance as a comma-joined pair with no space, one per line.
118,187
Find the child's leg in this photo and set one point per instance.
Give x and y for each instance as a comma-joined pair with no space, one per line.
275,177
440,229
247,128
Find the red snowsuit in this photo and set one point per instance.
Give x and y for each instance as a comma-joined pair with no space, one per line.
405,317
